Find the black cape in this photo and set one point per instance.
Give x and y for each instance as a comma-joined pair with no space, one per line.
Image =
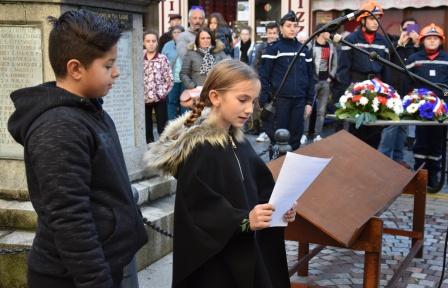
213,195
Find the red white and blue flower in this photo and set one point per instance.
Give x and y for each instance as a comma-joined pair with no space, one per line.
423,104
368,101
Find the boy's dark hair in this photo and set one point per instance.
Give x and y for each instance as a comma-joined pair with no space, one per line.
272,25
82,35
212,37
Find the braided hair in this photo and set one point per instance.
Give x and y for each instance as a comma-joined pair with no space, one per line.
223,76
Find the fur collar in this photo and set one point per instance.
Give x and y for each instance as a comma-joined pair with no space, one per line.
178,141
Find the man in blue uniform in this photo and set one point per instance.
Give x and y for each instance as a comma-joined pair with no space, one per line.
430,63
354,66
296,98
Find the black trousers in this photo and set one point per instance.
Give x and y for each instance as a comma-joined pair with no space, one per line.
160,109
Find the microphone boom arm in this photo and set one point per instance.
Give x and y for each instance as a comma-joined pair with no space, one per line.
375,57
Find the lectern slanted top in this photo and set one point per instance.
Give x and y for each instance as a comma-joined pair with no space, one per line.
360,182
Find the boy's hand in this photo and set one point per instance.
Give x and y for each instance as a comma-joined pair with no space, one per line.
290,215
260,217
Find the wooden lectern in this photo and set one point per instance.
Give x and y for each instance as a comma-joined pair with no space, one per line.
342,206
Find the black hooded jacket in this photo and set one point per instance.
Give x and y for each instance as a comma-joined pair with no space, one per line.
88,224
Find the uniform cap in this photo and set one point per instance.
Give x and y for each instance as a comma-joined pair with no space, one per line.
290,16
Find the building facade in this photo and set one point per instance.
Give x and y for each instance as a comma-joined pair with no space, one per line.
257,13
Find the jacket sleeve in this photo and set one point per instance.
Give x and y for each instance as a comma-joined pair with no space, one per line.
167,75
186,70
265,72
312,81
221,56
344,66
60,154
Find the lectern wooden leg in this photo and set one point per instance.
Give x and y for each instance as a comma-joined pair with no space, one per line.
418,220
370,241
372,262
304,249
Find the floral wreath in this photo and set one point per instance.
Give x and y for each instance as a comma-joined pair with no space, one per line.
423,104
367,101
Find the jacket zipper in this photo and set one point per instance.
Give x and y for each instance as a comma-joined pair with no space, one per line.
236,157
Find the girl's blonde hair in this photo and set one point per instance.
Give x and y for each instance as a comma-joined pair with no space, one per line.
223,76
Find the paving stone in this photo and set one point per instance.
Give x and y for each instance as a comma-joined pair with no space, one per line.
339,266
427,283
324,283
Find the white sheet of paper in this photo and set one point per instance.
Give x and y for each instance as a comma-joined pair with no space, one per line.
296,175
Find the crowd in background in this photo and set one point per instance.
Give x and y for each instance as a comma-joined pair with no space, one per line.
321,74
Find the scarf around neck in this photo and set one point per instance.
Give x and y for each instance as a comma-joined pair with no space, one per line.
432,54
207,60
243,51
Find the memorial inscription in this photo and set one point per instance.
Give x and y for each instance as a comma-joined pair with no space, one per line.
20,66
119,103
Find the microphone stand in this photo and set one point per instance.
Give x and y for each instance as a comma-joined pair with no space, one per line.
375,57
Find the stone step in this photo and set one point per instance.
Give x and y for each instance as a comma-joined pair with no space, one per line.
13,266
160,212
21,215
154,188
17,215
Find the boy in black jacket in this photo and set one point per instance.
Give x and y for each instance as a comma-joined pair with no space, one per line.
89,227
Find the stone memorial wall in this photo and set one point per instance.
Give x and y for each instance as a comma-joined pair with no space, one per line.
119,103
20,66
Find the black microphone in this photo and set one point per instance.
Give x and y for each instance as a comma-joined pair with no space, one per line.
333,25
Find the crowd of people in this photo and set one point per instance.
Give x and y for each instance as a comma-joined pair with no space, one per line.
89,226
322,73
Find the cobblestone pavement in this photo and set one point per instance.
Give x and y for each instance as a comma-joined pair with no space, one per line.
335,267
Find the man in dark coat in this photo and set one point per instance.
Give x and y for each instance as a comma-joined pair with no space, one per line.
354,66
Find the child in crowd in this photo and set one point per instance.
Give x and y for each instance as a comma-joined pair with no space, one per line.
222,219
430,63
158,81
89,226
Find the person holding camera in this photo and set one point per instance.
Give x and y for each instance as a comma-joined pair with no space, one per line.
393,137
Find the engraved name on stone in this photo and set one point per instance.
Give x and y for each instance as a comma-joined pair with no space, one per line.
119,102
20,66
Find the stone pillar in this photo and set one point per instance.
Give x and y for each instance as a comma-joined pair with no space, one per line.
24,62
